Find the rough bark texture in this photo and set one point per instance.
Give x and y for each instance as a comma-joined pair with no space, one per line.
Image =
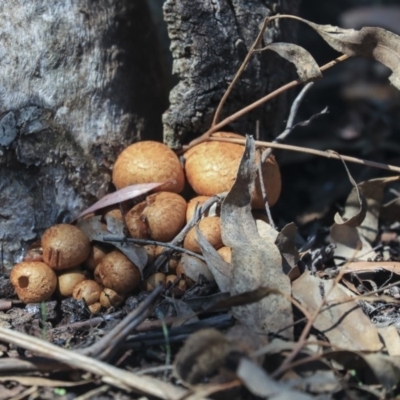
79,81
209,40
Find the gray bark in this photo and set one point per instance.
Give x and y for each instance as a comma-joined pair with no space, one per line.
209,40
78,82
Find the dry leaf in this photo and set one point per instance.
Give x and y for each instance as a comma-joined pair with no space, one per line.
344,233
376,43
220,269
391,338
255,261
306,66
362,208
94,231
127,193
261,385
266,231
345,324
193,267
370,42
286,245
355,209
373,193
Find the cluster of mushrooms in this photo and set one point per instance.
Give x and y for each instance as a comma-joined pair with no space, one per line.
68,264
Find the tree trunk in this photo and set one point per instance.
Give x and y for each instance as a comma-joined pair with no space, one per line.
209,40
79,81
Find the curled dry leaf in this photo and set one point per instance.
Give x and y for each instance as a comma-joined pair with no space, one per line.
255,261
373,193
361,217
344,324
306,66
376,43
344,233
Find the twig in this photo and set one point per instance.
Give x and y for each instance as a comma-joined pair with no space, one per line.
109,374
289,125
87,323
294,110
326,153
107,346
303,337
181,235
122,239
205,136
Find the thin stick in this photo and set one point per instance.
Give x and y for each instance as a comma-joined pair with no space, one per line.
289,125
257,103
106,347
122,239
293,111
181,235
320,153
111,375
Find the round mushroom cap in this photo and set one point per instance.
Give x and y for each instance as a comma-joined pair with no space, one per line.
192,203
210,227
97,252
161,216
34,281
147,162
88,290
211,168
226,253
64,246
68,279
110,298
118,273
153,281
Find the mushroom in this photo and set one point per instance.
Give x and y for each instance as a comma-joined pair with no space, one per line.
210,227
110,298
67,280
34,281
118,273
147,162
226,253
191,207
88,290
173,259
180,288
153,281
95,308
211,168
97,253
161,216
64,246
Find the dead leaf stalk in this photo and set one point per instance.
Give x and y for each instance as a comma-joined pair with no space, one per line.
326,153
